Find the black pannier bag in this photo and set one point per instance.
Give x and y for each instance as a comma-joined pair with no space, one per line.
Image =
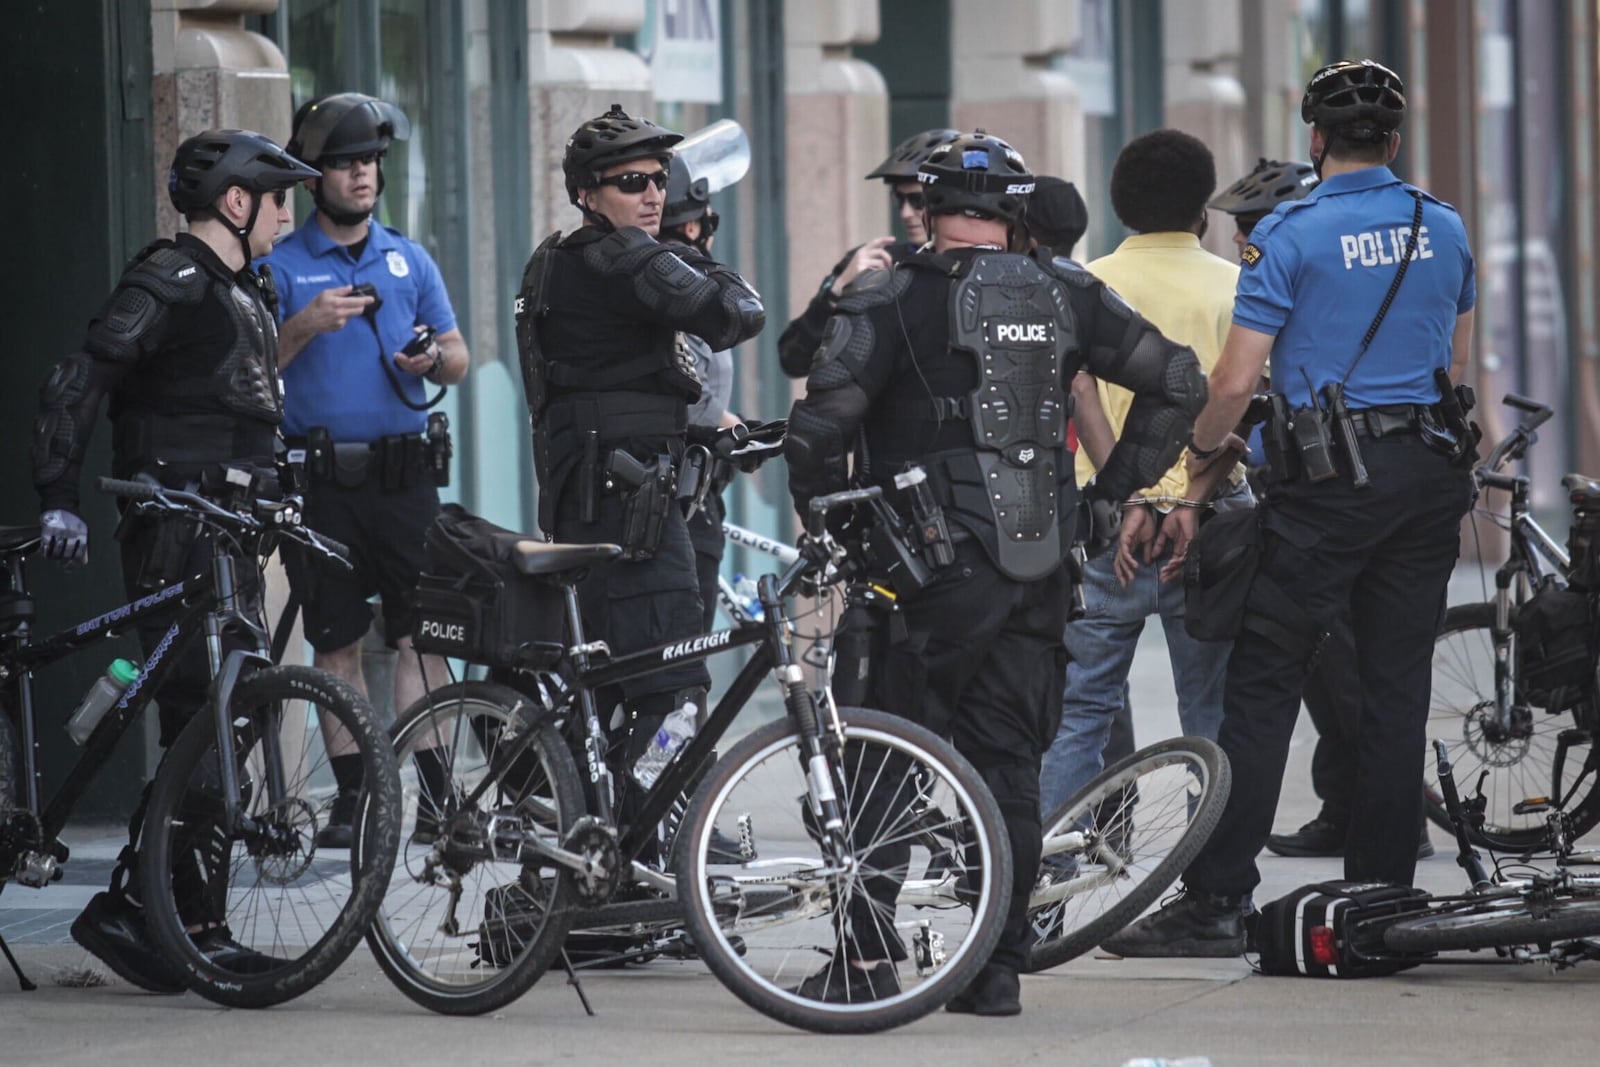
1583,542
1555,648
1316,930
474,604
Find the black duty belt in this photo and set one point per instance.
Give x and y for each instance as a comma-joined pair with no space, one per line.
1386,420
617,415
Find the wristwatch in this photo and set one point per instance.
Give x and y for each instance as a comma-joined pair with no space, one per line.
438,362
1202,453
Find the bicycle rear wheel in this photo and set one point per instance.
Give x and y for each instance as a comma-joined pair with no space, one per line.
468,924
930,864
258,914
1503,923
1520,762
1114,846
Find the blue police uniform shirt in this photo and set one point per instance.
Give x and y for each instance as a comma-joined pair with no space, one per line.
1315,274
337,381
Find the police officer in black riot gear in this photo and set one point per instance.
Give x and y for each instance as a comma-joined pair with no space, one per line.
185,348
957,360
797,346
1362,293
609,385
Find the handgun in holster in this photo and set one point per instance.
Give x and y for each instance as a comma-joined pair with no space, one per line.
647,492
1445,426
440,448
890,551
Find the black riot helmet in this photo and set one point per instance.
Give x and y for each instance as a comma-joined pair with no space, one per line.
208,164
976,173
1359,100
908,155
345,125
612,138
686,200
1252,198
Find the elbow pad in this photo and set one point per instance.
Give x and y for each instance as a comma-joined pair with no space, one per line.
61,430
1169,393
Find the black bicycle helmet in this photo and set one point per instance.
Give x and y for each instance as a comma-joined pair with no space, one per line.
908,155
208,163
976,172
346,124
1360,99
686,200
1271,183
612,138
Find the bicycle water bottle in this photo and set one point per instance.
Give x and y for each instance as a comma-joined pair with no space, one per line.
748,597
105,692
676,729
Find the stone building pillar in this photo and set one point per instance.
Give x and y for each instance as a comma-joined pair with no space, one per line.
209,72
1204,97
575,72
838,130
1002,53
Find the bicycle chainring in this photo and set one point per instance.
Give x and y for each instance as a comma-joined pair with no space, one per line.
595,842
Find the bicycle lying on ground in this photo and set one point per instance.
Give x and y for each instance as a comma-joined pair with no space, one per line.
235,891
1523,913
1514,678
829,836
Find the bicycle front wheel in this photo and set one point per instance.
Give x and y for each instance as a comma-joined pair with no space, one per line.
1519,761
256,913
924,884
1116,844
1505,923
471,918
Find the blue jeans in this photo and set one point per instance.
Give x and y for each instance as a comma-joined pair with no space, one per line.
1101,646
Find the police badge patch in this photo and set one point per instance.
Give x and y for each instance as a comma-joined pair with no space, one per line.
1251,255
397,264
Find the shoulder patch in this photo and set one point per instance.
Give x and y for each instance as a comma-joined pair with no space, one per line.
1250,256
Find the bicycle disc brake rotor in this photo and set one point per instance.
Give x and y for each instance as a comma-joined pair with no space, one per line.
1480,733
285,851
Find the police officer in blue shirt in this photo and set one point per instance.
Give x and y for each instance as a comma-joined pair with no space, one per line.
1368,518
355,356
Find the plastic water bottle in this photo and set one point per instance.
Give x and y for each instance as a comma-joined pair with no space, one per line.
105,692
748,597
1162,1061
675,731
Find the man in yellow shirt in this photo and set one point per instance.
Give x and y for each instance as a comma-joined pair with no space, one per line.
1159,188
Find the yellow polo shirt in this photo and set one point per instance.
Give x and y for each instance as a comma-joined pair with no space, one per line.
1187,293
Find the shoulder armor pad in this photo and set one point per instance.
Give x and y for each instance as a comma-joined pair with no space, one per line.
170,274
1072,272
875,288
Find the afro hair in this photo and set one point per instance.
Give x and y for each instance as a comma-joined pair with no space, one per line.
1161,182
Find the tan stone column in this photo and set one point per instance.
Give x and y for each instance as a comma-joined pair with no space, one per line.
575,72
1201,43
838,130
209,72
1002,51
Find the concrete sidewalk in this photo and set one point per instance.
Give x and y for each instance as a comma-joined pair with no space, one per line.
1093,1011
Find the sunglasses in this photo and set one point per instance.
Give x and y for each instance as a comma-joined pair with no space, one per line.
709,222
280,196
346,162
634,181
914,199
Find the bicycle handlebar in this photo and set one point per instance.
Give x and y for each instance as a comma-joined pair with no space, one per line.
271,517
1516,443
817,525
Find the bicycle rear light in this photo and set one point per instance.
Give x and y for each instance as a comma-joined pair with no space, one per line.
1324,947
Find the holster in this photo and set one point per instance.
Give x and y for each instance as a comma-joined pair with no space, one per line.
648,491
1283,459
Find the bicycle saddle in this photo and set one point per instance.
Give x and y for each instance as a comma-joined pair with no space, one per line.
1583,490
14,537
536,557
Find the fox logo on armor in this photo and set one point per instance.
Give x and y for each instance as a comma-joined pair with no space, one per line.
1001,332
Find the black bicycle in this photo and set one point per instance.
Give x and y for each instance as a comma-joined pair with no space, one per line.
1514,682
1521,912
234,888
830,836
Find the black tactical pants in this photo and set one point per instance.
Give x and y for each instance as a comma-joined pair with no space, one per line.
982,662
1386,553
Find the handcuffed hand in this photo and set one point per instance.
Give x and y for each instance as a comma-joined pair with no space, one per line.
64,536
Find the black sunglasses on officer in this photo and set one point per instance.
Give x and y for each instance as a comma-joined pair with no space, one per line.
634,182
